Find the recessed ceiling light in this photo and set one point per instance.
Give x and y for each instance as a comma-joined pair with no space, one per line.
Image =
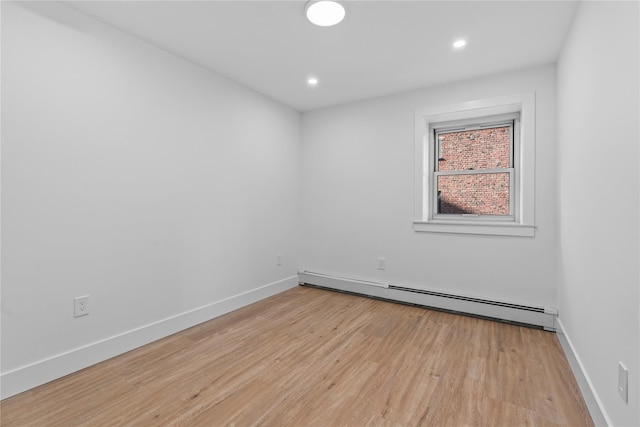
312,81
459,43
324,13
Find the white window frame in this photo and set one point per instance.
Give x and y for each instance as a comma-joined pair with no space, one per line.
513,121
523,194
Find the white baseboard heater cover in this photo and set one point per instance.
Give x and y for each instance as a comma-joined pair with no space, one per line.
502,311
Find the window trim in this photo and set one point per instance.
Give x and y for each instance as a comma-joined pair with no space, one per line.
522,223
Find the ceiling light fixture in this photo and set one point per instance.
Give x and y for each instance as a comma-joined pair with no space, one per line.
459,43
312,81
324,13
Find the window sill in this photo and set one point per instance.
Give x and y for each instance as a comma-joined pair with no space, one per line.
488,229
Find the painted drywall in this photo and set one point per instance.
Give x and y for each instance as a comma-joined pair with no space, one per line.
130,175
358,198
598,161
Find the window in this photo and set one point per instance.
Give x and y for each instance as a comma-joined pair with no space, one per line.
474,168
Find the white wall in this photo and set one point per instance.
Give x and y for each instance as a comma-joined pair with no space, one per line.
598,274
359,188
128,174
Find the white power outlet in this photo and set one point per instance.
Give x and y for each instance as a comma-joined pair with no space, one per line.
382,263
278,259
81,306
623,382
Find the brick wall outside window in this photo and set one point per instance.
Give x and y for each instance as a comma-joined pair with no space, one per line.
483,194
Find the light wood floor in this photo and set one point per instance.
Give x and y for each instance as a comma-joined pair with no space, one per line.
309,357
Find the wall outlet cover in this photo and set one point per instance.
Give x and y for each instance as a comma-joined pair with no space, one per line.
623,382
81,306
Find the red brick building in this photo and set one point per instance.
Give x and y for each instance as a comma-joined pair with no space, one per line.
474,150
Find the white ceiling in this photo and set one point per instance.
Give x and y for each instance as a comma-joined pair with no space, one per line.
381,47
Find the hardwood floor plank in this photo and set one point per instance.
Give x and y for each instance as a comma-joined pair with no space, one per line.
309,357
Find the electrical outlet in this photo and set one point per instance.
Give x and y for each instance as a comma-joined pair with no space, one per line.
623,382
278,259
81,306
382,263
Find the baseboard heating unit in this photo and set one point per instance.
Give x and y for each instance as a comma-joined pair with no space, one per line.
539,317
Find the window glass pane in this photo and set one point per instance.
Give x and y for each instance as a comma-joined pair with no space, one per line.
475,149
482,194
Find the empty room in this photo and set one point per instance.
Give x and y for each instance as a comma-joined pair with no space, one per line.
320,213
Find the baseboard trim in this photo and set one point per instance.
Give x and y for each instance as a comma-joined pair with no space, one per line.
44,371
598,415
